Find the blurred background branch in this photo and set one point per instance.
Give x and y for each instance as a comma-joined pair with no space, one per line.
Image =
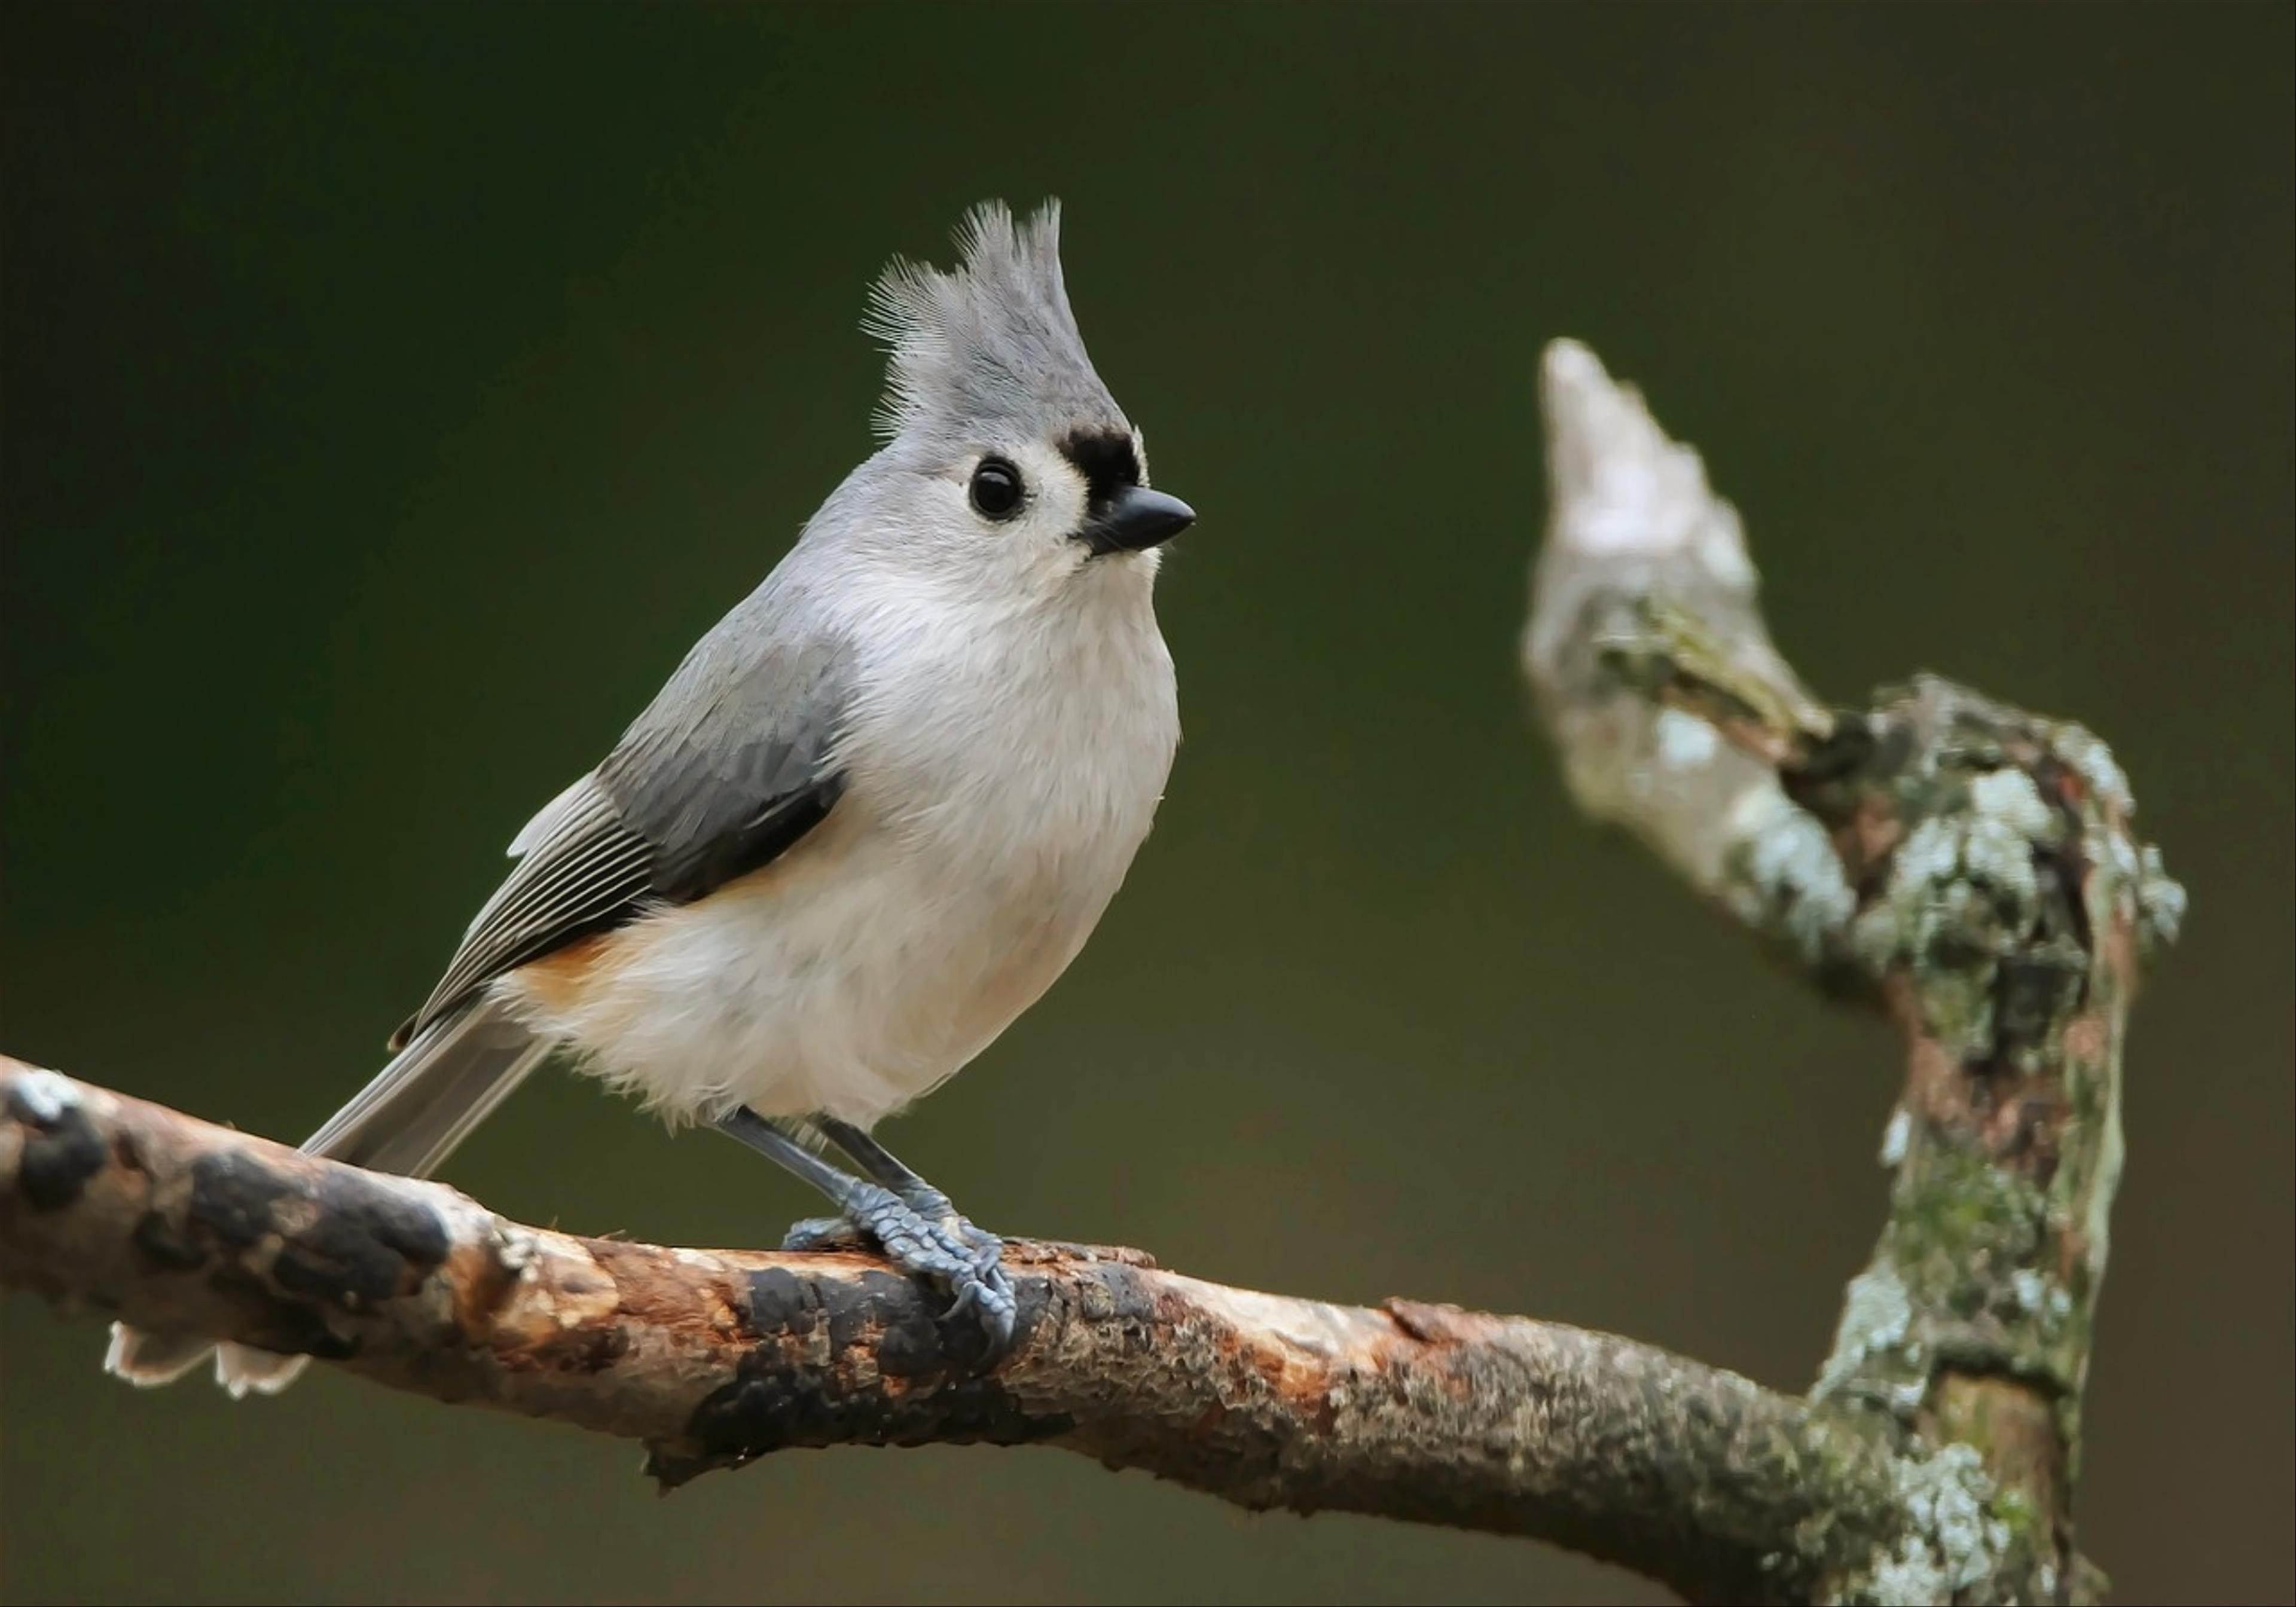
1969,868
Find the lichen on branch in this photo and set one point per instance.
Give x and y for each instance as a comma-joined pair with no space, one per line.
1968,867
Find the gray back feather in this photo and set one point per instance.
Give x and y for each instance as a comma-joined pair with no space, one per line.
992,340
741,732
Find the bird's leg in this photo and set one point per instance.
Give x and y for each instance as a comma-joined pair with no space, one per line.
889,1170
910,1220
990,1289
922,1197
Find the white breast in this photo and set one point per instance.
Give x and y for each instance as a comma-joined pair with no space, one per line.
998,788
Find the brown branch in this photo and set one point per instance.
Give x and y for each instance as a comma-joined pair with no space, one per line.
713,1357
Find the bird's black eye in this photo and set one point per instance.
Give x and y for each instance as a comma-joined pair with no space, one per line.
996,489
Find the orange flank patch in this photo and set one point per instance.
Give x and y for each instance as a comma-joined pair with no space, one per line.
559,981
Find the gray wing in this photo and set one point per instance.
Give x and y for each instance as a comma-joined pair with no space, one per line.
730,766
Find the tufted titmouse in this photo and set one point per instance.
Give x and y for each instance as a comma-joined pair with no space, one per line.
872,816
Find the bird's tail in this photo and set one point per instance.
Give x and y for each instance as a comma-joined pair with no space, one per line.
407,1121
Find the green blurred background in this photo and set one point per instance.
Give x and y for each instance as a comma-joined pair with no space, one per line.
391,393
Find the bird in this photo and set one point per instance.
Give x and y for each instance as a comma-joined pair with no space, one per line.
872,816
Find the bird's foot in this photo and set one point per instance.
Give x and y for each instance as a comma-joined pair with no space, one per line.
924,1237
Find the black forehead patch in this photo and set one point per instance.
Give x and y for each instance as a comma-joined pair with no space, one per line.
1106,460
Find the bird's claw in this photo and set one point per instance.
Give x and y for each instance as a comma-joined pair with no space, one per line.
943,1249
988,1291
824,1234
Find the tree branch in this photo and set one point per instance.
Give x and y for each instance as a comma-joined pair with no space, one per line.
1966,867
713,1358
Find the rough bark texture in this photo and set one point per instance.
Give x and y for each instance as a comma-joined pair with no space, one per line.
1966,867
713,1358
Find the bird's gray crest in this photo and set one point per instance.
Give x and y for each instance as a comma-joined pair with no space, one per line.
993,339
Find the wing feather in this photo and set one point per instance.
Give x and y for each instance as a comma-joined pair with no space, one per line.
731,765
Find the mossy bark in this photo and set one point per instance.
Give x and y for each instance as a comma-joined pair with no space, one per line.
1967,867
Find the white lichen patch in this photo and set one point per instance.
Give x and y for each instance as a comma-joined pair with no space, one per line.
45,1096
2121,855
1877,1320
1896,1137
1927,860
2160,900
2043,1299
1961,888
1930,855
2142,889
1998,853
2093,761
2030,1289
1990,847
1951,1540
1683,742
2010,797
1784,877
516,1249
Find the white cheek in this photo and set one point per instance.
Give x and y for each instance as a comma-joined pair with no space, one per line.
1055,511
1056,517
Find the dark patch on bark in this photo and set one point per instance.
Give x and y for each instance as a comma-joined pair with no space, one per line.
2037,989
782,1302
161,1240
774,1403
1848,751
290,1327
367,1245
59,1156
363,1244
236,1198
912,1344
2064,880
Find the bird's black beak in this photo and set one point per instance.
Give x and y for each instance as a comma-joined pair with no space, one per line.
1135,519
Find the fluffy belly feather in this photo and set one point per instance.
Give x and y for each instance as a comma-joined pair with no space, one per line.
847,978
